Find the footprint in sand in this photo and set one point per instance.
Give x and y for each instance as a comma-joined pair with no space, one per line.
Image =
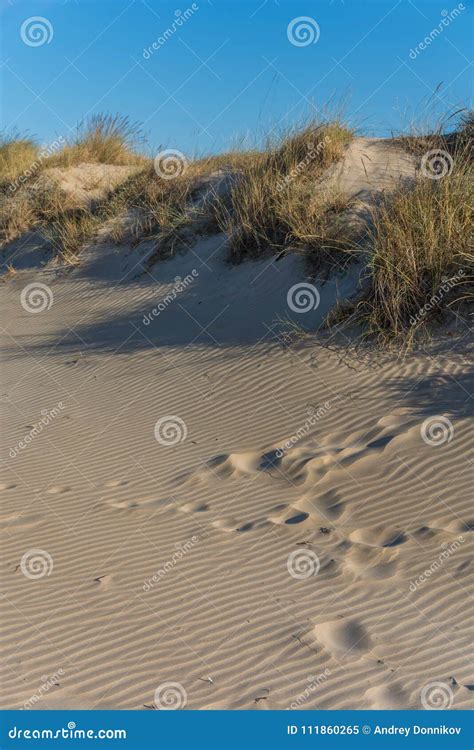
379,536
296,518
371,562
231,524
195,507
310,461
289,515
115,483
58,489
326,506
145,504
391,696
343,638
315,512
458,526
425,533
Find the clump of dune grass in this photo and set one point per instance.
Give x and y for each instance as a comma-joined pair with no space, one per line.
17,153
451,132
466,132
53,214
271,205
170,212
69,231
17,215
422,261
25,203
321,230
102,139
28,207
155,203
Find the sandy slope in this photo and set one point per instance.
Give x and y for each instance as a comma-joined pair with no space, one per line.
253,575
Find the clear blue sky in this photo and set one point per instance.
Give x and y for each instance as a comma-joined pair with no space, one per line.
230,70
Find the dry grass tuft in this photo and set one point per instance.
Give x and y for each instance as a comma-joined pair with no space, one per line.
274,203
155,202
270,205
16,155
53,213
170,212
70,231
422,255
17,214
102,139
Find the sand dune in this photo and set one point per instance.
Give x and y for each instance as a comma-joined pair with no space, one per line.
213,508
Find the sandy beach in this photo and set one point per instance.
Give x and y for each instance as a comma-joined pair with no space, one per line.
196,511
